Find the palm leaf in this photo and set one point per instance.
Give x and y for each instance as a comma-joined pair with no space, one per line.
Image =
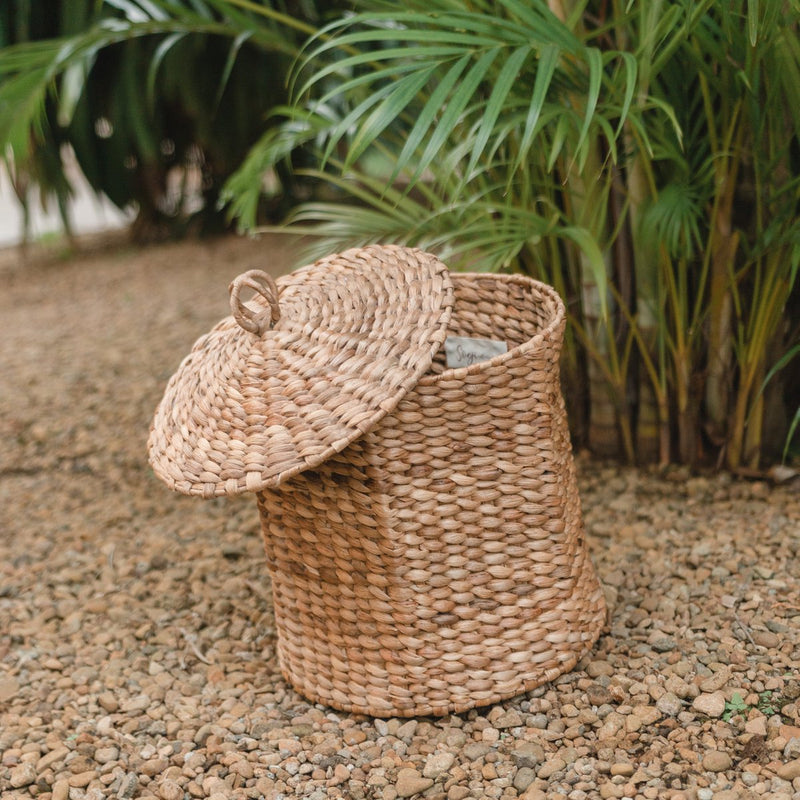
31,68
236,46
158,57
548,59
595,62
429,113
496,102
242,191
452,113
398,56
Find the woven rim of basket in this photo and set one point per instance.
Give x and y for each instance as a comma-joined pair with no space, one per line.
547,342
303,369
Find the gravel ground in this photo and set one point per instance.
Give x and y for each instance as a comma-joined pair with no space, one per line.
137,647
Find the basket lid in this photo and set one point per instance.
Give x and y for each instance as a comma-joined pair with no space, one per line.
303,369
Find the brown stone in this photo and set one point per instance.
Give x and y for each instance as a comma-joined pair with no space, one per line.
410,782
8,688
595,669
22,775
790,770
622,768
711,704
716,761
82,779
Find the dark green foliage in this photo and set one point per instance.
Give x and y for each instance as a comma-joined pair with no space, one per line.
36,160
132,135
159,100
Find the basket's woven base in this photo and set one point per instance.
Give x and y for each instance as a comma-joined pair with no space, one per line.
439,563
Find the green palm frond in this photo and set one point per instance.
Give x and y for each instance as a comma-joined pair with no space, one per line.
29,70
433,72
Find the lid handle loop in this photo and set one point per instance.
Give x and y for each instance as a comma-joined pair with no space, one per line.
261,283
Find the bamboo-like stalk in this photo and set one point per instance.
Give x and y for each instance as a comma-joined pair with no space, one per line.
723,245
725,134
773,283
609,431
653,410
610,418
652,418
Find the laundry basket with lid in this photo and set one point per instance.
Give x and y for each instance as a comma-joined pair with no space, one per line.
421,521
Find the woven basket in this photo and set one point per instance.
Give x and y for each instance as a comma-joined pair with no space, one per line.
429,556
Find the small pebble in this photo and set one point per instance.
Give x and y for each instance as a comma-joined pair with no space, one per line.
509,719
792,748
712,705
597,668
624,769
757,726
766,639
550,767
490,735
82,779
669,704
528,754
170,790
410,782
23,775
106,755
790,770
716,761
407,729
8,688
524,777
60,790
438,763
534,793
664,644
475,750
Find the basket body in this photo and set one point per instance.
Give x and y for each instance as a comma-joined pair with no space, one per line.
438,562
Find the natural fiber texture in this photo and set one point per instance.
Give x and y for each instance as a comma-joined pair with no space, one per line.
438,562
298,374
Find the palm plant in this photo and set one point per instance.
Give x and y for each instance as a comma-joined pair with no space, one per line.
497,144
33,162
717,222
456,126
489,131
640,157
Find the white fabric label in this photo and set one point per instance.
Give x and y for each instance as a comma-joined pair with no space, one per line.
461,351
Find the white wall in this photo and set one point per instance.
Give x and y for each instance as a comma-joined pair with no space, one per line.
88,213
